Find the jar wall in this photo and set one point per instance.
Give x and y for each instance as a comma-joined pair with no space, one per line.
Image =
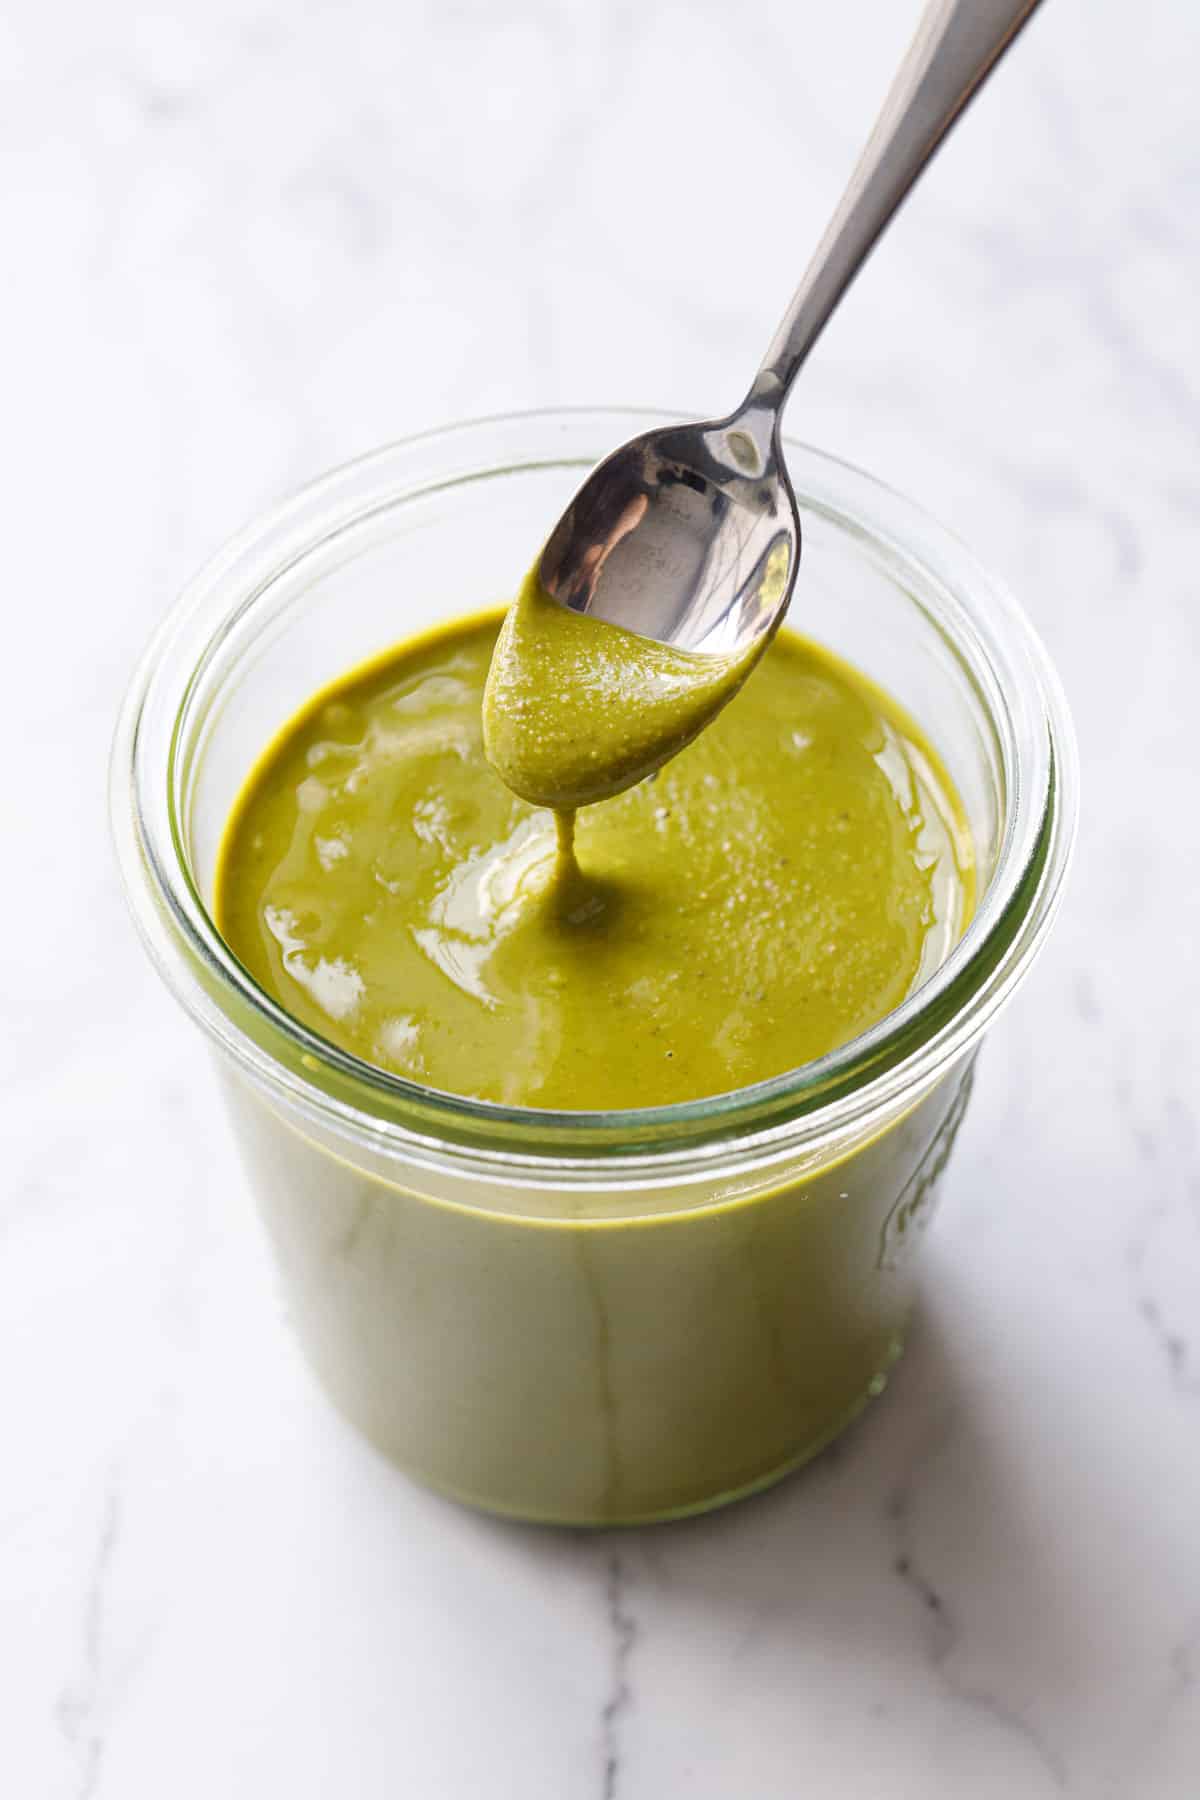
588,1365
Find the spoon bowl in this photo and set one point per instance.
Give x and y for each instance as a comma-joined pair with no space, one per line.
689,535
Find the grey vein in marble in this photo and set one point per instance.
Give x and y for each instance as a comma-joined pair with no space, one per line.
624,1629
78,1708
944,1636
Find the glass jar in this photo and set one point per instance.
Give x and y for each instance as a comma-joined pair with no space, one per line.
587,1317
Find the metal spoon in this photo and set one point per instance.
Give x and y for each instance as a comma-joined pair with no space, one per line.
690,534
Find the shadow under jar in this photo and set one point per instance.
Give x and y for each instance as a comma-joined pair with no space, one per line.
592,1318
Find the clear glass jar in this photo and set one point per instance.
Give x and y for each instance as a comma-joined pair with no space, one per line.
590,1317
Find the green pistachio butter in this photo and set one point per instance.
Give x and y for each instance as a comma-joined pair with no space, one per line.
774,889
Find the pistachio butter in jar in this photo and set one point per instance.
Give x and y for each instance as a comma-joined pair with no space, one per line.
590,1266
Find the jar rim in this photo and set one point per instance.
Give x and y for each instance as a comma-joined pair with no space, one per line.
841,1091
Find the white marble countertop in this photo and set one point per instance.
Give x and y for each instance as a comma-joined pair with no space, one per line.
244,241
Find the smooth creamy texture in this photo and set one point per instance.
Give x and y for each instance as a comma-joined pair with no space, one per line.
576,710
770,893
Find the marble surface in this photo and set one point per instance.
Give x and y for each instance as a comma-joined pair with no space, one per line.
245,241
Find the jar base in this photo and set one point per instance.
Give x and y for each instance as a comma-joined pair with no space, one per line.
688,1509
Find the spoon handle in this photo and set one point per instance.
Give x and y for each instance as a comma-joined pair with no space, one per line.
958,44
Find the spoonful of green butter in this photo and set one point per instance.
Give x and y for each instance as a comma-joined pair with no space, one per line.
576,709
